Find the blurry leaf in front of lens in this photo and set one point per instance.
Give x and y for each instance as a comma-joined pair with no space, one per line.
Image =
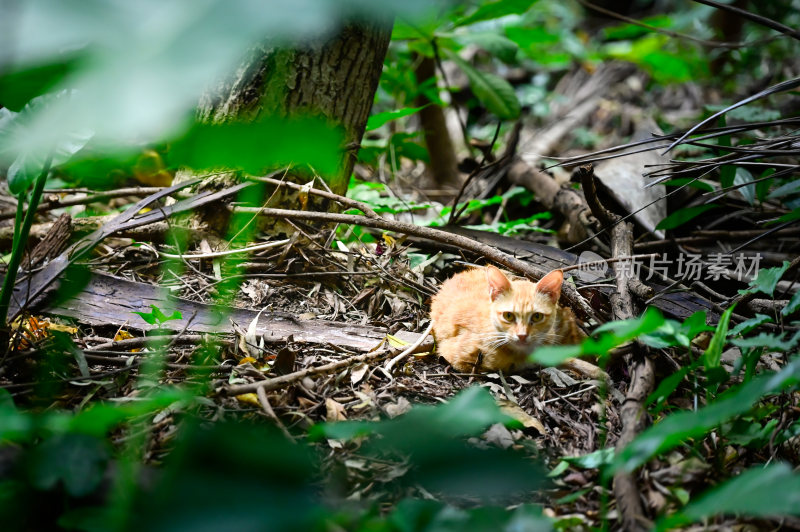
231,477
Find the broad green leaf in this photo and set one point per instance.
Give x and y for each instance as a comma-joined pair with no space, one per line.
497,9
681,216
18,143
671,333
18,87
138,79
714,352
609,336
792,305
255,147
513,227
99,418
767,280
593,460
377,120
748,325
432,437
76,460
466,414
501,47
15,425
553,355
773,342
631,31
745,178
492,91
787,189
668,385
678,427
772,490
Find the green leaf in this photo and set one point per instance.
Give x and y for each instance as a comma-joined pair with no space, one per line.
20,86
593,460
77,460
773,342
149,317
748,190
676,428
792,305
748,325
713,354
466,414
19,142
668,385
493,10
100,418
611,335
767,280
672,333
377,120
787,189
258,146
772,490
681,216
492,91
499,46
15,425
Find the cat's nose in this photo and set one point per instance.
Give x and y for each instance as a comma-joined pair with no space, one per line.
522,337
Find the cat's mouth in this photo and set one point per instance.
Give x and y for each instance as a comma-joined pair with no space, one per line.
527,345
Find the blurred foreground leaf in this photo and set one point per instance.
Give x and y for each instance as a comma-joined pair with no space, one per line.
681,426
769,491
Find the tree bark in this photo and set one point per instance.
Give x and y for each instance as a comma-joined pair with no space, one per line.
334,79
442,165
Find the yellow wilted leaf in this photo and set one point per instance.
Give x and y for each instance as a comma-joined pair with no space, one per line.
394,341
62,328
249,398
245,360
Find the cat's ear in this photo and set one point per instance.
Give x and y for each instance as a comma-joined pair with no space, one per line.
550,284
498,282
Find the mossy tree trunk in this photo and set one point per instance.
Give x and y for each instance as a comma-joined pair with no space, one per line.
335,79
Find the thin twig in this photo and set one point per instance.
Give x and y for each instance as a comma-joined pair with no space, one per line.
297,376
532,271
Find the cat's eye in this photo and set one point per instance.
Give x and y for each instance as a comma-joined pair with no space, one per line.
537,316
508,316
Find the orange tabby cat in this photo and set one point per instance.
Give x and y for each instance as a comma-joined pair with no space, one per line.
482,321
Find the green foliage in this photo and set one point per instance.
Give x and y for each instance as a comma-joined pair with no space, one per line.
157,316
493,91
376,195
771,490
767,279
259,146
430,436
714,352
679,427
513,227
495,10
606,337
748,325
664,63
681,216
377,120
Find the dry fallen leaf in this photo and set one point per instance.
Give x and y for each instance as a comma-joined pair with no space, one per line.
515,411
358,373
334,410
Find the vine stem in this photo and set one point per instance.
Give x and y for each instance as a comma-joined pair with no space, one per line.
21,237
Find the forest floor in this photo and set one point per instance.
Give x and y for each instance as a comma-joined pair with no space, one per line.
305,290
